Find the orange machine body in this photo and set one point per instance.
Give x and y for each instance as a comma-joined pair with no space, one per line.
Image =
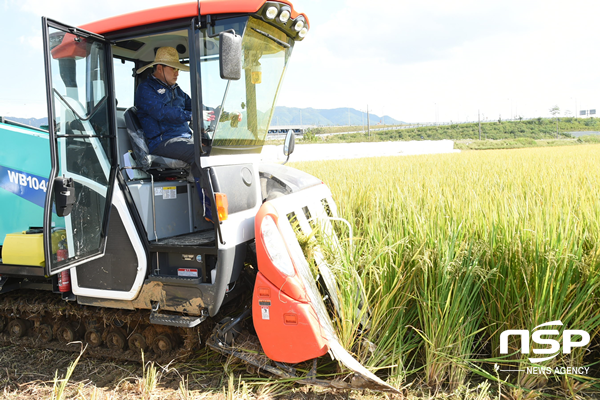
284,318
177,11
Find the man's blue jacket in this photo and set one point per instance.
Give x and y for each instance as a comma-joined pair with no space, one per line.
163,111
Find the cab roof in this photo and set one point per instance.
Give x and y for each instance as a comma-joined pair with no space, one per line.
175,12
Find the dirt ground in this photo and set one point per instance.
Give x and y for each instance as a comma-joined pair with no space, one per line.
33,374
27,373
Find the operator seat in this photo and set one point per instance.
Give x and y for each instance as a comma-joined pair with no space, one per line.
157,166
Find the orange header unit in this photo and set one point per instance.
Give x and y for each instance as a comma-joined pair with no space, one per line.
178,11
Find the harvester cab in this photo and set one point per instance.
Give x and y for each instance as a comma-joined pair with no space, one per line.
133,234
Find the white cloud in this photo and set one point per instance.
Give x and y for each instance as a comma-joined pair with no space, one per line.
23,108
419,59
406,32
34,42
405,58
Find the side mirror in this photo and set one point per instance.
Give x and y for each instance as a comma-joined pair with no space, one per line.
288,145
230,55
64,196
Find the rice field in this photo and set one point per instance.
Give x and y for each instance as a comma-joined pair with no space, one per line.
448,252
452,250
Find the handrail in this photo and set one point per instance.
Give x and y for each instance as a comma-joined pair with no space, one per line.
4,120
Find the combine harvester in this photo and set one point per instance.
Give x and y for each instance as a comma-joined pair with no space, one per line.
106,244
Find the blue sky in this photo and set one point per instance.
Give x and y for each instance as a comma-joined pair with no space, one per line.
416,61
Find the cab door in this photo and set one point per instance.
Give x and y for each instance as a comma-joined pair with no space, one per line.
82,127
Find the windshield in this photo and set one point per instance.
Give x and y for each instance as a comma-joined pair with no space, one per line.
243,109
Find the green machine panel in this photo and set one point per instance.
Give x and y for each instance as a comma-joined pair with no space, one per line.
24,171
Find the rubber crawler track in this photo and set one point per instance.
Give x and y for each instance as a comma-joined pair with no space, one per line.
43,320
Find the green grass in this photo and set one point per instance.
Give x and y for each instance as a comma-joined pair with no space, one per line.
454,249
535,129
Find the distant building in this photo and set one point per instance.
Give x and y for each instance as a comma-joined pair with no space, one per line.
283,129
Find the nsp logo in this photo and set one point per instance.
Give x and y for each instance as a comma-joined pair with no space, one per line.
536,336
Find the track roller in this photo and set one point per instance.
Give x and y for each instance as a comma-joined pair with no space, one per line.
45,333
137,342
17,328
66,333
162,344
93,338
115,340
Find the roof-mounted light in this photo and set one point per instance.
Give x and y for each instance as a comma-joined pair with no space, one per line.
271,12
281,15
299,25
284,16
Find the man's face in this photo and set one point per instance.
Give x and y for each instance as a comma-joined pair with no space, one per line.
167,74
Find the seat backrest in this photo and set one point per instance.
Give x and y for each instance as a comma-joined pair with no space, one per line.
137,138
140,148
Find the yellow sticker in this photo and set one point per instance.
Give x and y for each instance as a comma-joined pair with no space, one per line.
169,192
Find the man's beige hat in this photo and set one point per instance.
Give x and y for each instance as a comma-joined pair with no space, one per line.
166,56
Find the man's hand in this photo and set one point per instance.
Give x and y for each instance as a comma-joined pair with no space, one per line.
209,115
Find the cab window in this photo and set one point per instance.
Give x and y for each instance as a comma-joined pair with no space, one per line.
124,82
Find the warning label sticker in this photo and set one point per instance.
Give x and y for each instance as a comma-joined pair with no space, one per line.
265,312
169,192
188,272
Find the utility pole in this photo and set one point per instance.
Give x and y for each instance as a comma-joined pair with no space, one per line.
362,121
479,118
555,111
368,122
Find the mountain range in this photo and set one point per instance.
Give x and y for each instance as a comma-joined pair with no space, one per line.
290,116
35,122
322,117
